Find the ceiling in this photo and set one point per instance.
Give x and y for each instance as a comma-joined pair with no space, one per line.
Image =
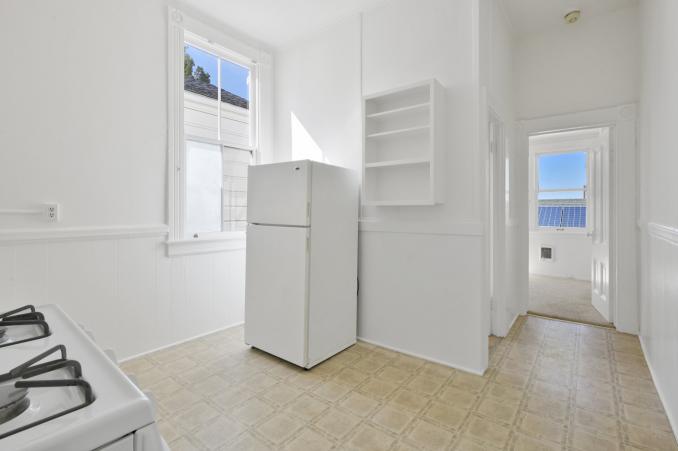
277,23
531,16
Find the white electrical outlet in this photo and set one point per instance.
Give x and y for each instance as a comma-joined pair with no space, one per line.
52,212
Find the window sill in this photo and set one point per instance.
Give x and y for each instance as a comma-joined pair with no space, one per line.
227,241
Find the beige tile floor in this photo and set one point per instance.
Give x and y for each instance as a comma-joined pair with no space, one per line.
563,298
551,385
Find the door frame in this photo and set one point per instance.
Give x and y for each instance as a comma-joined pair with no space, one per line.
496,221
623,214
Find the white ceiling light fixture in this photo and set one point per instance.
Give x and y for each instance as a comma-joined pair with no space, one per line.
572,16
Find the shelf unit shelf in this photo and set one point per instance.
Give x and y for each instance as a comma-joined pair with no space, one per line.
405,109
399,131
403,162
398,203
402,146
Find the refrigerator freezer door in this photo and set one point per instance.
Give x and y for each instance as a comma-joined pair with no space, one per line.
278,194
276,291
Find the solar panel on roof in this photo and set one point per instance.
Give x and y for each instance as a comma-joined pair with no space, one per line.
562,216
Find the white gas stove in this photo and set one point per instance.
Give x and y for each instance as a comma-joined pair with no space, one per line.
60,391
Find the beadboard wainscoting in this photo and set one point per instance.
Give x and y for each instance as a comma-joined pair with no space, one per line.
659,315
119,284
416,299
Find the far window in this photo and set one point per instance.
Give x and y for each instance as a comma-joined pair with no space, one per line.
220,137
562,189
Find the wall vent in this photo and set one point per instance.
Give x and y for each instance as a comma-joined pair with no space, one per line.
546,253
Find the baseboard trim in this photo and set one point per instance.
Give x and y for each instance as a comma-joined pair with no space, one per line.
510,326
195,337
423,357
673,420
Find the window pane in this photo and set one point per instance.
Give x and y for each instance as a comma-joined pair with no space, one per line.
200,93
235,84
235,113
200,72
562,171
235,189
204,175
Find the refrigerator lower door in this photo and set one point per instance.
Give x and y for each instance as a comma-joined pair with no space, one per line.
276,291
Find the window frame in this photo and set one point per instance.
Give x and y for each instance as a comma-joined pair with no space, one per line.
534,211
182,30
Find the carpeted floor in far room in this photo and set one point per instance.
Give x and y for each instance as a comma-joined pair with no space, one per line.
564,298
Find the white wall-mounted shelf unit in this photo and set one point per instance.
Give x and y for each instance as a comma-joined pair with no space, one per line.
403,145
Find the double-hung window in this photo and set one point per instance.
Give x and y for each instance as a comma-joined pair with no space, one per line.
220,132
561,191
213,132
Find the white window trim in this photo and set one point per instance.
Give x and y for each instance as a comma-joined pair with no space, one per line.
183,28
534,209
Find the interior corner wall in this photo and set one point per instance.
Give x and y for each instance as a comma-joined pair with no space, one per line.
658,160
420,290
579,67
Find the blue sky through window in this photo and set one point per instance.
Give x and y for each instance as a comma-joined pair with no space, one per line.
562,171
234,77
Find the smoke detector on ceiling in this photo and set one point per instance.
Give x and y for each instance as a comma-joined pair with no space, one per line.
572,16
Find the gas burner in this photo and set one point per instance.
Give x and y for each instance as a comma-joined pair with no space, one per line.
22,325
14,409
10,396
15,388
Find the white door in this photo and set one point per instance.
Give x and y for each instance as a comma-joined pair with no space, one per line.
279,194
600,226
276,291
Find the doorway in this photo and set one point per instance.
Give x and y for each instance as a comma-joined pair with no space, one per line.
569,226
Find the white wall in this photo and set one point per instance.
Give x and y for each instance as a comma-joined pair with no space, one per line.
84,123
571,254
659,198
420,267
125,290
318,97
588,65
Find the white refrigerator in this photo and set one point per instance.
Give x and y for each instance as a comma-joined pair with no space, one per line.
302,258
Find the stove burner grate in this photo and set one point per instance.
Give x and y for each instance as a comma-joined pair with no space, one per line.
15,399
23,316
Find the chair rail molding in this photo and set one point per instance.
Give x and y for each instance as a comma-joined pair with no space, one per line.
663,232
450,228
19,236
